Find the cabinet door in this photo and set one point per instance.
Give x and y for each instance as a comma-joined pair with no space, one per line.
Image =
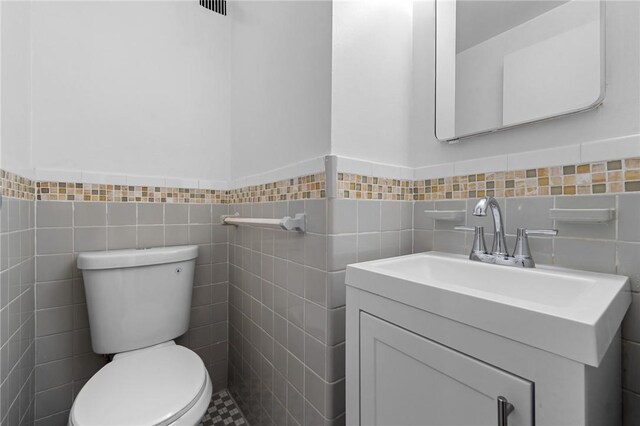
407,379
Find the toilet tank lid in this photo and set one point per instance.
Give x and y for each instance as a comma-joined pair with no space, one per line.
136,257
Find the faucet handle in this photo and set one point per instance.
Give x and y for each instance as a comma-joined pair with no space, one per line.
539,232
479,247
521,252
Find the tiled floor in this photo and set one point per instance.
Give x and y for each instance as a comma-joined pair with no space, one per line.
223,411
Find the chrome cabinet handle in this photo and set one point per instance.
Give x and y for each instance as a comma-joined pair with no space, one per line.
504,409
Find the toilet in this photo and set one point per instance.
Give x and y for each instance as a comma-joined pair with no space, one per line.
138,302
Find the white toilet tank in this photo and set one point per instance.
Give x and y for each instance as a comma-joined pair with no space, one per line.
137,298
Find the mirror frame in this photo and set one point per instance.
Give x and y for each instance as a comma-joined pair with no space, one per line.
594,105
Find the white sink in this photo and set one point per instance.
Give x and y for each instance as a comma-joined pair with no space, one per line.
574,314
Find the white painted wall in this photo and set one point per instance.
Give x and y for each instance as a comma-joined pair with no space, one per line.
371,88
131,88
140,92
15,99
123,88
281,85
619,116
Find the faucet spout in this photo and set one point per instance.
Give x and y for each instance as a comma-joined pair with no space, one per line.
499,241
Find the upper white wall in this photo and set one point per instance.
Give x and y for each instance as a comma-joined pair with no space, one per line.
131,88
15,83
126,88
372,87
619,115
281,85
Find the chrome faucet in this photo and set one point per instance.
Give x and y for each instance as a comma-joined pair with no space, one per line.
499,247
499,254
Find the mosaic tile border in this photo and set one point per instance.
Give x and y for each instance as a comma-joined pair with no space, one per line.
358,187
603,177
68,191
15,186
298,188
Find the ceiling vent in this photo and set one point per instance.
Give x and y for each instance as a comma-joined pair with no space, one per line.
218,6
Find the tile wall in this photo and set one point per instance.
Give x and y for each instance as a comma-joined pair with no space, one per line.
282,292
612,247
17,320
63,355
286,303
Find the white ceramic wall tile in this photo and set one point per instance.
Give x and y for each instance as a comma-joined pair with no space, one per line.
308,323
435,171
145,181
17,339
611,149
213,184
304,168
331,175
342,216
630,408
58,175
391,171
481,165
422,241
628,255
631,324
559,156
172,182
630,366
605,230
103,178
351,165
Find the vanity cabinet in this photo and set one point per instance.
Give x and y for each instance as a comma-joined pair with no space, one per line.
407,379
408,366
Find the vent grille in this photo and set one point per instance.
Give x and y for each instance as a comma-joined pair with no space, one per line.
218,6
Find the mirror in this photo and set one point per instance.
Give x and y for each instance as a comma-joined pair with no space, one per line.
504,63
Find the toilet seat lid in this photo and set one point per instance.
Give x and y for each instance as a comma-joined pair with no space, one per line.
152,387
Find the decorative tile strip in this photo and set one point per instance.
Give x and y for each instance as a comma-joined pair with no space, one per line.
15,186
605,177
373,188
299,188
304,187
66,191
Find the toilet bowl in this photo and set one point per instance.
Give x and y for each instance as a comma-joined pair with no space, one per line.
138,301
163,385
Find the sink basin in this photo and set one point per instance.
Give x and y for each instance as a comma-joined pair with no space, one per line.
574,314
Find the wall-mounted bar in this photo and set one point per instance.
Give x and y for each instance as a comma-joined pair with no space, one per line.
297,223
583,215
446,215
